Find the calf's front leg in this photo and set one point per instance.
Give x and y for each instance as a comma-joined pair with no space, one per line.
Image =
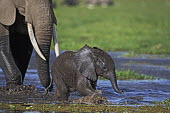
84,86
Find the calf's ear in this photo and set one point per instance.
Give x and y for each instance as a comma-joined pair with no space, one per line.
7,12
88,70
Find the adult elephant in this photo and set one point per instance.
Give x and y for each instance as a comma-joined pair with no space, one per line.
19,20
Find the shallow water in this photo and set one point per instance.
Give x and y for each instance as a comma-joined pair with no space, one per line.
136,92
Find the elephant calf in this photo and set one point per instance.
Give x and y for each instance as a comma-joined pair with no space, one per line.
79,71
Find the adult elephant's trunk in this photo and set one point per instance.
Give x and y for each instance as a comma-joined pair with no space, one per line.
113,81
42,48
43,34
42,20
40,15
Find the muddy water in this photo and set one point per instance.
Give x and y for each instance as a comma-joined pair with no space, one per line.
136,92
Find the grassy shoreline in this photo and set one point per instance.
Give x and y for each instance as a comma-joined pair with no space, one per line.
138,26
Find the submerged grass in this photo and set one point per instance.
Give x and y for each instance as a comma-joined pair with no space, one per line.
166,102
83,108
128,74
139,26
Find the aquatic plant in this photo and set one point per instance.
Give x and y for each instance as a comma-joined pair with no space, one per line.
129,74
166,102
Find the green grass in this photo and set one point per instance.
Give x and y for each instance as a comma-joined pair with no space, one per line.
128,74
139,26
166,102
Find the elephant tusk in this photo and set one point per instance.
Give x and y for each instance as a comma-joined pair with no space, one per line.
34,42
55,38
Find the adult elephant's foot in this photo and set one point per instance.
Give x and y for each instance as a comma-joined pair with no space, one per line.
11,82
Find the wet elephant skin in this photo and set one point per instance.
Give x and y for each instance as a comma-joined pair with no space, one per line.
15,46
79,71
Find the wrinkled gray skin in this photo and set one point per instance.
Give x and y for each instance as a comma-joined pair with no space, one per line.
15,46
79,71
100,2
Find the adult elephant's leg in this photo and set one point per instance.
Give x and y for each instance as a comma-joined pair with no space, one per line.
7,63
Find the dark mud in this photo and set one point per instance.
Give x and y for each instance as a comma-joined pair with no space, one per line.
29,94
136,92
